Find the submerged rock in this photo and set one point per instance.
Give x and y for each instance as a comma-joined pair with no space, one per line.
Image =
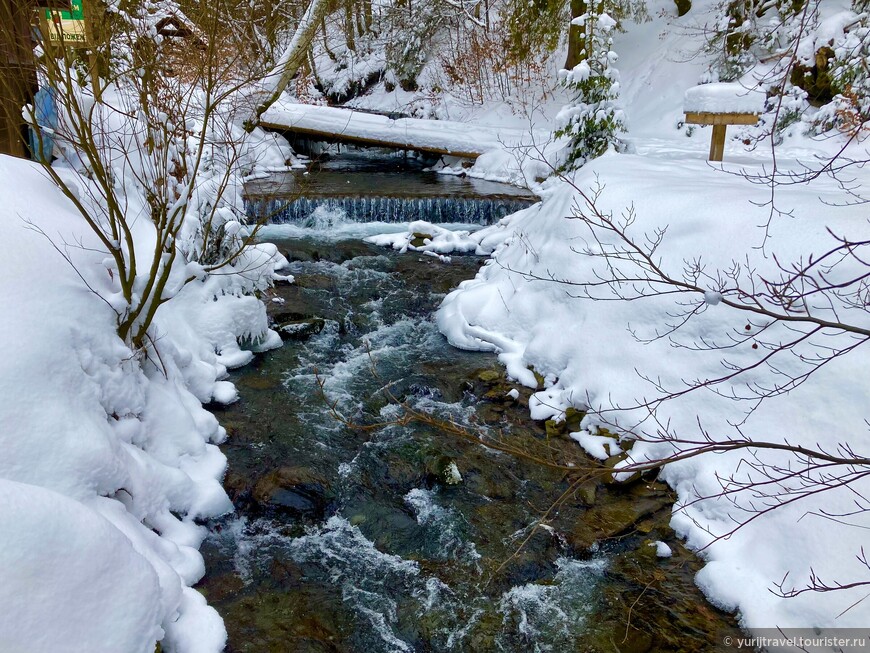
279,621
316,282
620,513
295,491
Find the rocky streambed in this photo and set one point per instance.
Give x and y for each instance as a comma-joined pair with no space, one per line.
404,537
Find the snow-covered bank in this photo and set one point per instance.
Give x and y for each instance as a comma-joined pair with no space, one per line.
604,356
108,460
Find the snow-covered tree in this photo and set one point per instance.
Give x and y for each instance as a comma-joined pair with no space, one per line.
593,120
849,109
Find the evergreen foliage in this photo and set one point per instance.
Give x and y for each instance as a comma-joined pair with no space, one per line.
592,121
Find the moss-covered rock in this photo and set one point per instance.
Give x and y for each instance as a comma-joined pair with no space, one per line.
573,418
617,514
489,377
419,239
553,428
443,470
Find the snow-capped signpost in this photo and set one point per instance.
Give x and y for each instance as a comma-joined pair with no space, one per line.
720,105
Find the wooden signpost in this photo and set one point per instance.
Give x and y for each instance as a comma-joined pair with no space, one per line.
63,24
721,104
720,122
74,26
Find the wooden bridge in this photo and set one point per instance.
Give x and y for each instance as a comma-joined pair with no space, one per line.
442,137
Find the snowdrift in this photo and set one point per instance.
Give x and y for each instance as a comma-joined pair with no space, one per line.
108,461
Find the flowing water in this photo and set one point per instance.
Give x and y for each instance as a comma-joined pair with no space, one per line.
400,537
362,189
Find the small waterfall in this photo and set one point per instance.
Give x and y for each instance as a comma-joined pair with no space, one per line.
438,210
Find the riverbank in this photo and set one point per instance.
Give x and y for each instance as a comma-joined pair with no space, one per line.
610,356
110,462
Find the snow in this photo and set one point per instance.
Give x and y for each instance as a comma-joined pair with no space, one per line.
439,135
435,239
64,568
723,97
597,446
589,351
452,475
606,357
108,460
662,549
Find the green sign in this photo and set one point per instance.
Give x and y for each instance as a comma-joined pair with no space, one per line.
67,27
77,12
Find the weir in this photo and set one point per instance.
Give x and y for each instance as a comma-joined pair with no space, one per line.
438,210
359,187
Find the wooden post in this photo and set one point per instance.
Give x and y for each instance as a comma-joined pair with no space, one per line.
717,143
720,122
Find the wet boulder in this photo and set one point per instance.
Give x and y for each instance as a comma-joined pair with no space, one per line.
419,239
347,250
301,255
535,562
300,329
315,282
443,470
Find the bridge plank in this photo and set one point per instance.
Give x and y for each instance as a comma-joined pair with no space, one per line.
706,118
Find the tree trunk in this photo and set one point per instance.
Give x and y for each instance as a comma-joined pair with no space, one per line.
17,74
349,29
368,15
576,35
292,59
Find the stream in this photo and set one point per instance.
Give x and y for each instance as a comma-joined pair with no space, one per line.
402,537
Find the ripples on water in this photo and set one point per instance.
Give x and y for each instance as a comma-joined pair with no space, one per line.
545,616
406,561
